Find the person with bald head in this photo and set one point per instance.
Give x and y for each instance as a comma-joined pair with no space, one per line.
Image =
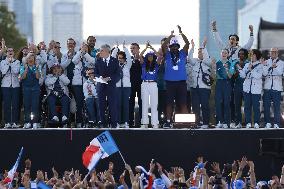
273,70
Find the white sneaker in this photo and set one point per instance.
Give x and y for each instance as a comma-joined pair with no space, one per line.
219,125
64,118
14,125
248,126
55,118
7,126
126,125
268,125
225,126
27,126
276,126
256,126
79,125
204,126
155,126
36,125
144,126
239,126
233,126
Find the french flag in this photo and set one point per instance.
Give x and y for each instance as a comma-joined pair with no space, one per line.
100,147
12,172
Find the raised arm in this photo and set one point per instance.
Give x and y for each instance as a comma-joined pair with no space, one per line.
216,36
166,42
251,39
186,45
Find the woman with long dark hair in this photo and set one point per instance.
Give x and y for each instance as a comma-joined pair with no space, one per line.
149,87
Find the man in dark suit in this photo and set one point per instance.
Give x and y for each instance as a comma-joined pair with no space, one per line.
108,71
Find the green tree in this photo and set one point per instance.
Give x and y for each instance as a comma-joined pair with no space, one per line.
8,31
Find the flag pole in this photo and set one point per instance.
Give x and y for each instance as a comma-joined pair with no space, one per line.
122,157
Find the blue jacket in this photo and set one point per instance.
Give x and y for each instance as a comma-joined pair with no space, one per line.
111,70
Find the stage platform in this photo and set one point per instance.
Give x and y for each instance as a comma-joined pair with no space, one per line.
63,149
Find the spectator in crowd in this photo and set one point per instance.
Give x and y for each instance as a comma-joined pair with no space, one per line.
149,87
57,90
175,74
91,97
238,88
162,108
224,71
252,73
82,61
273,70
31,91
108,71
123,85
10,85
233,48
200,90
135,79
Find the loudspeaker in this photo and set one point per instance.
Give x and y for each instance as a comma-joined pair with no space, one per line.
271,146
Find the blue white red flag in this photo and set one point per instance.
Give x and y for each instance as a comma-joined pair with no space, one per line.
100,147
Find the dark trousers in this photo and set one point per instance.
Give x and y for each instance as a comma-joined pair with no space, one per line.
275,97
135,88
238,97
79,98
200,96
222,101
123,94
92,104
188,101
107,93
252,101
31,103
11,98
232,101
65,104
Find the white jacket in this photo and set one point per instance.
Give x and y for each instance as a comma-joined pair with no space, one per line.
253,78
221,45
79,59
273,76
89,89
63,81
196,69
125,69
51,60
10,73
41,60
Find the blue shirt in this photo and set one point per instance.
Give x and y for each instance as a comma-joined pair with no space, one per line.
221,71
175,71
94,52
149,75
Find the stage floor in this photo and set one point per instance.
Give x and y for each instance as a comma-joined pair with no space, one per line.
63,147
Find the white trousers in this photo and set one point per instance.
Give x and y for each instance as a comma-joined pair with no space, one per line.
149,89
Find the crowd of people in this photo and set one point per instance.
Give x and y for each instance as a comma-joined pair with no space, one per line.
237,175
99,86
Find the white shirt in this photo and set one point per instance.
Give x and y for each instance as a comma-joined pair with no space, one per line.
253,78
273,76
89,89
63,81
234,51
79,60
10,73
196,69
126,68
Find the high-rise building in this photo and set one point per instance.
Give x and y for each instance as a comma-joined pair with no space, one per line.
250,14
58,20
23,10
225,13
